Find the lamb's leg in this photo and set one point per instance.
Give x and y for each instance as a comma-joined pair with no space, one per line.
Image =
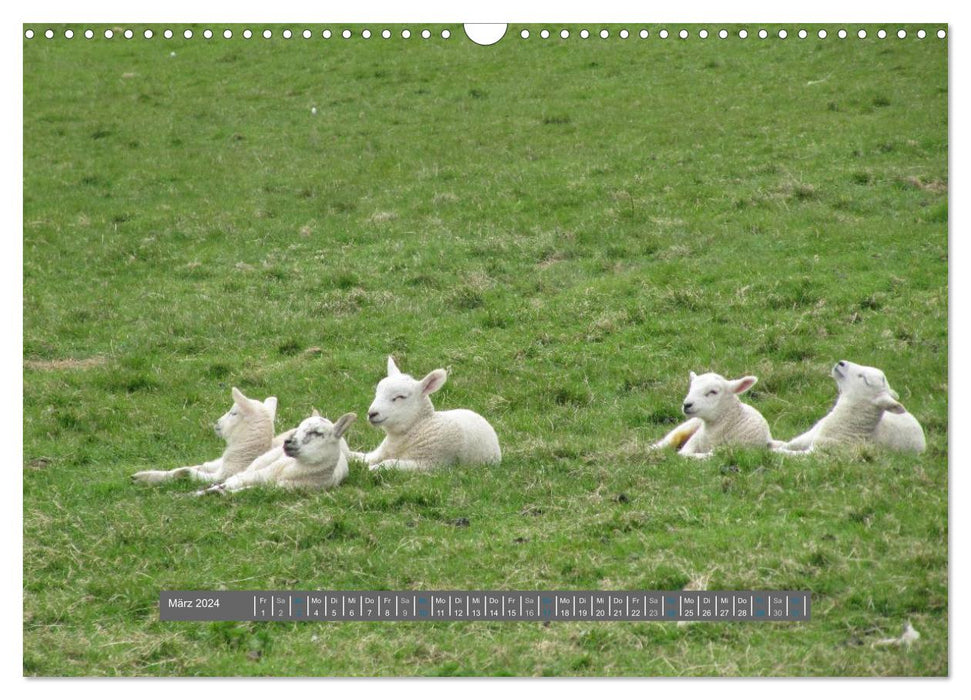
238,482
370,458
679,436
802,442
200,472
403,464
786,451
157,476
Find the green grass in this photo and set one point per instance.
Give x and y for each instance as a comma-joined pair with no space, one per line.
569,227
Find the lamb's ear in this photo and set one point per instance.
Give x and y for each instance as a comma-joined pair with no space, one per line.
740,386
392,367
343,423
692,376
433,382
241,401
315,413
887,403
270,403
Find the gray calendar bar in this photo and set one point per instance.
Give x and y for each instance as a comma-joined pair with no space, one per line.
504,606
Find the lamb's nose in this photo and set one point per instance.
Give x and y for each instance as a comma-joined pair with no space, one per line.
841,363
371,415
686,405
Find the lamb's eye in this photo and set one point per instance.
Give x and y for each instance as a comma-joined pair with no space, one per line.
398,398
713,392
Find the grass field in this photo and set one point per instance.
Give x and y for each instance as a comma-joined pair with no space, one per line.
569,227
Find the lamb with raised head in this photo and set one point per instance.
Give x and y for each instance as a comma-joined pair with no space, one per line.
311,458
247,429
418,436
866,410
716,417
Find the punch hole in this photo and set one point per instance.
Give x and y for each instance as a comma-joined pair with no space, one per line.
545,34
88,34
325,34
287,34
386,34
167,34
803,33
624,33
921,34
29,34
703,34
881,34
346,33
128,34
247,34
405,33
207,34
643,34
821,33
941,34
267,34
901,34
108,33
307,33
487,34
49,34
366,34
187,33
663,33
763,34
446,34
723,34
584,34
564,33
425,34
783,33
683,34
742,34
68,33
604,34
861,33
228,34
841,33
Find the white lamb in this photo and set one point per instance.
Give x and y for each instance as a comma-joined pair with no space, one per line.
418,436
716,417
247,429
282,438
311,458
866,410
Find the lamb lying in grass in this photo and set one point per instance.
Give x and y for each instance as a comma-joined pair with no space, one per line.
310,458
418,436
247,429
716,417
284,436
866,410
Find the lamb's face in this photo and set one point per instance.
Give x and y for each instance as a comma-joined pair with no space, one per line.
710,395
862,383
400,398
244,411
317,440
